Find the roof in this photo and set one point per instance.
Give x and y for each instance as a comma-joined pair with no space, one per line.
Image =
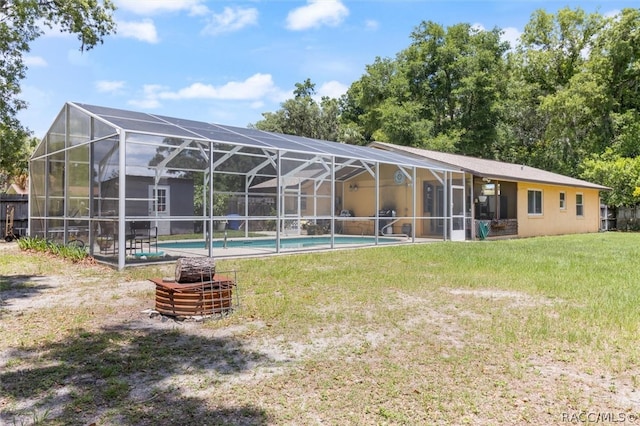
491,168
288,181
145,123
15,189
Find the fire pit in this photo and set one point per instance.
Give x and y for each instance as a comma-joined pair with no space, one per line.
196,291
195,299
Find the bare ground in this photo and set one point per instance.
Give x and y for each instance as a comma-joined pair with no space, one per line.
76,346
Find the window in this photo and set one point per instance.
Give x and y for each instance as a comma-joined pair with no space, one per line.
159,200
579,205
563,201
534,197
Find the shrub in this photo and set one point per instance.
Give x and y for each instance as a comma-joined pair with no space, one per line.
72,253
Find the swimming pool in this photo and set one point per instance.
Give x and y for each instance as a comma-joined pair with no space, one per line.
285,243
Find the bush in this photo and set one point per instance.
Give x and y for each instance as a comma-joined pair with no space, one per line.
72,253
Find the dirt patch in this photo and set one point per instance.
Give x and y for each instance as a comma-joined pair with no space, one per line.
514,298
62,291
605,389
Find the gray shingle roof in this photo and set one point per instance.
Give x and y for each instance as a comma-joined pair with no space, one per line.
490,168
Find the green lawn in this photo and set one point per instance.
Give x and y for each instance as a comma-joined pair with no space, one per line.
539,331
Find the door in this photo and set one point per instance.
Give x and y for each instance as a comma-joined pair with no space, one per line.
458,232
159,203
291,208
433,209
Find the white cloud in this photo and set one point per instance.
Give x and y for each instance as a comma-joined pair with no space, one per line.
231,19
612,13
254,87
151,7
144,30
144,103
512,35
149,98
105,86
371,24
35,61
317,13
332,89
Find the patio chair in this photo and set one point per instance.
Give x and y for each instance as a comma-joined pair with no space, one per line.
106,237
141,234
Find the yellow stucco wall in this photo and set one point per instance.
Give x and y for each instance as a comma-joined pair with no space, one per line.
394,195
362,200
554,220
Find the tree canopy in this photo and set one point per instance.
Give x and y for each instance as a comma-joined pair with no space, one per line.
304,116
566,98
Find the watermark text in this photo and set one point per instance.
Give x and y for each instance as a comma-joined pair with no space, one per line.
579,417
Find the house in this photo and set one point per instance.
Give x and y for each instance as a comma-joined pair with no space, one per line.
98,170
15,189
169,196
516,200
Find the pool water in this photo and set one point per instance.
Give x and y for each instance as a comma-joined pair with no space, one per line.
290,243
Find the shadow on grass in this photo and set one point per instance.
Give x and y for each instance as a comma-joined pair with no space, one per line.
124,376
19,287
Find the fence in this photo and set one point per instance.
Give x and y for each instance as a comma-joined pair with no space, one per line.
628,218
20,216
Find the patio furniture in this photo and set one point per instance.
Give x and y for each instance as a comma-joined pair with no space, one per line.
141,234
106,238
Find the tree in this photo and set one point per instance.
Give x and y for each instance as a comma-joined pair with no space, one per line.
615,58
615,63
19,167
303,116
559,111
621,174
443,91
361,104
577,124
21,22
553,47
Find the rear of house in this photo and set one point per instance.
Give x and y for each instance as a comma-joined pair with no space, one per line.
554,210
509,200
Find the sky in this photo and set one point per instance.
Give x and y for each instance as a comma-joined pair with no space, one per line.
227,62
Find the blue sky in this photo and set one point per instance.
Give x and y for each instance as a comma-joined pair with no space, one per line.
228,62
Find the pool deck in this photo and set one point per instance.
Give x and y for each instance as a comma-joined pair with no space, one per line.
255,251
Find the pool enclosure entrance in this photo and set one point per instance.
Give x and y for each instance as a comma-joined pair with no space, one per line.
136,188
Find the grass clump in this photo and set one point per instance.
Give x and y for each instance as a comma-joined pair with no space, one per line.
69,252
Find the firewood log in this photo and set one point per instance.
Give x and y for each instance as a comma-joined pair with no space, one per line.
195,269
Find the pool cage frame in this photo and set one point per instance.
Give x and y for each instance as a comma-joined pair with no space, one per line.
99,170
